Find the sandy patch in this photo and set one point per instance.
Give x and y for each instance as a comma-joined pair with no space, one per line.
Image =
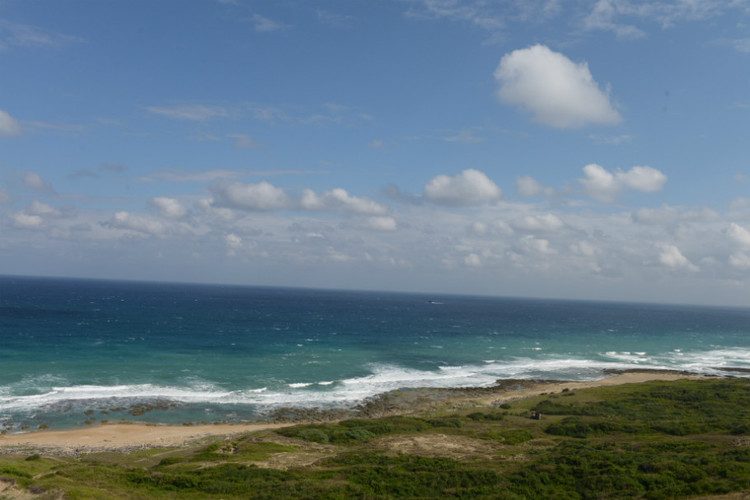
124,436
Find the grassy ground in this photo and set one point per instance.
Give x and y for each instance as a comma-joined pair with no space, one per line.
682,439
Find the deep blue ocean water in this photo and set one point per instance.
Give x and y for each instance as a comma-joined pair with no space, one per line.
230,353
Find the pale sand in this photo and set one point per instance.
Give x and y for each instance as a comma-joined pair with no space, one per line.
126,435
133,436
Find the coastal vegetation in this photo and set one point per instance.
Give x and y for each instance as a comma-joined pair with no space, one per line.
654,440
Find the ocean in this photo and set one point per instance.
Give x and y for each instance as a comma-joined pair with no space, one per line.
78,352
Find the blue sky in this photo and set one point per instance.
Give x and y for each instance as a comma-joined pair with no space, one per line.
591,149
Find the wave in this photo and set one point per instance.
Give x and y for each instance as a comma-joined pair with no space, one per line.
381,378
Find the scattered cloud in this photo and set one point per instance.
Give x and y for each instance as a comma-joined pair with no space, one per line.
34,181
169,207
262,196
477,13
244,141
538,223
23,220
604,186
558,92
334,18
470,187
139,223
339,199
9,126
192,112
671,257
42,209
528,186
741,45
265,25
739,235
15,35
466,137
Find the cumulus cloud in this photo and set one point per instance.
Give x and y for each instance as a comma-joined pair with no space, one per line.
671,257
23,220
339,199
42,209
604,186
169,207
262,196
739,235
137,222
470,187
538,223
34,181
9,126
557,91
528,186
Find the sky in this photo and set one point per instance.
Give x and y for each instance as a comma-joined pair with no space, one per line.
588,149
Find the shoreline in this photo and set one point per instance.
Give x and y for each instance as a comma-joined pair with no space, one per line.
127,437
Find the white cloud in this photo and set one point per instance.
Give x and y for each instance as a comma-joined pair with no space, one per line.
42,209
34,181
138,222
473,260
9,126
265,25
740,261
538,223
671,257
646,179
558,92
169,207
4,197
262,196
583,248
25,221
244,141
608,15
532,244
604,186
739,235
339,199
193,112
27,36
233,243
528,186
602,18
470,187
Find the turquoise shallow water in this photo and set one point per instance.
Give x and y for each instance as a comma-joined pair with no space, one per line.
227,353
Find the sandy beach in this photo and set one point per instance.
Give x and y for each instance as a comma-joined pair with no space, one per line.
132,436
